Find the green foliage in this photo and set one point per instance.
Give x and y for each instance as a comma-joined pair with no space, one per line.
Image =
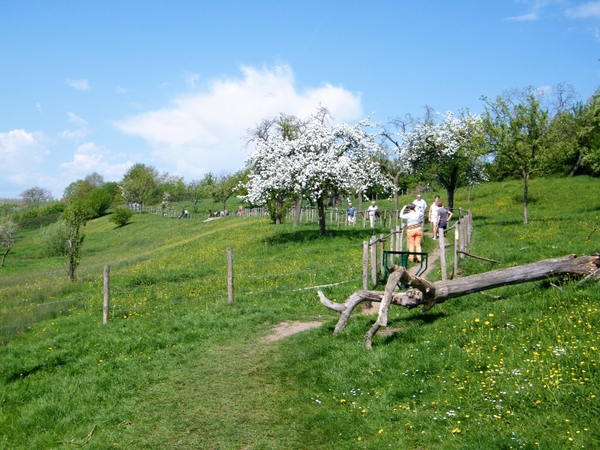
177,367
225,186
139,184
121,216
54,240
76,216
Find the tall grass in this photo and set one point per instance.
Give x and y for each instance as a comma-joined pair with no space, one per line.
177,367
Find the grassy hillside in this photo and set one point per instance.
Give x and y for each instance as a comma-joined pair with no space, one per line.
177,367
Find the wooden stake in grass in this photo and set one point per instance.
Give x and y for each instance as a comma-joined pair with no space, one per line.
105,309
230,274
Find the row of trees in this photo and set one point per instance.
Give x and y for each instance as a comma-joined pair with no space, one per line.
522,133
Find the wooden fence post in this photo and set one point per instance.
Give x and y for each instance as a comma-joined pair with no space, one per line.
374,260
230,274
106,306
441,234
382,248
457,234
365,265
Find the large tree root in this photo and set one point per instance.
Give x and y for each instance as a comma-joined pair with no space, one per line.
426,294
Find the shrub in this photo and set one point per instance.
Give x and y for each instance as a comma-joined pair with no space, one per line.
51,209
121,216
54,240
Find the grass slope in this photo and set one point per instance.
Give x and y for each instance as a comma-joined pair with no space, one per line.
177,367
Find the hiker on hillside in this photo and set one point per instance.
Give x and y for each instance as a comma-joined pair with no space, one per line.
351,211
414,232
444,217
420,207
373,213
433,215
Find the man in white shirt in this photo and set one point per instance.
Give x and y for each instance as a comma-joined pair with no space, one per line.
372,211
420,207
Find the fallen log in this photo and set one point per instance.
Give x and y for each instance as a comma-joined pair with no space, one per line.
427,294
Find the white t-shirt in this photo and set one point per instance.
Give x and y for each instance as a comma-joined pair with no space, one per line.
371,210
420,205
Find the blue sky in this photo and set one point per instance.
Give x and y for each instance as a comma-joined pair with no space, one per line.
100,86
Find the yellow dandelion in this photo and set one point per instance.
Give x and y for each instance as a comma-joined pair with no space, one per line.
380,431
456,431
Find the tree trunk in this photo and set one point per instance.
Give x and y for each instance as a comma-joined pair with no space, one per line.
360,201
426,294
396,180
321,209
577,166
4,256
297,212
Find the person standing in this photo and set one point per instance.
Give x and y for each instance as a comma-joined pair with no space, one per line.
433,215
373,212
444,217
420,207
351,214
414,232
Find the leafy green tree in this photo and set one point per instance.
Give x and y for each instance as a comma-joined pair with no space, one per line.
225,186
199,189
96,200
173,185
8,230
574,139
76,216
139,184
517,131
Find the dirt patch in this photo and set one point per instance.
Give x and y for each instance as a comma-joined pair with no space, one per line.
285,329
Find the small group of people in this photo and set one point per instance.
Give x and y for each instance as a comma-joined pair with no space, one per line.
415,218
372,211
414,214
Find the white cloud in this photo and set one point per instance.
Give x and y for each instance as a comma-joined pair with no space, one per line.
23,155
80,85
120,90
525,17
82,128
89,157
204,131
585,11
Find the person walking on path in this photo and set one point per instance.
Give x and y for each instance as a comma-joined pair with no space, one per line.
351,214
414,232
433,215
420,207
373,213
444,217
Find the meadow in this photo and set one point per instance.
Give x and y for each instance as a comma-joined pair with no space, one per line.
178,367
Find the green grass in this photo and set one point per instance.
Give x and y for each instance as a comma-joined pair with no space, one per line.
177,367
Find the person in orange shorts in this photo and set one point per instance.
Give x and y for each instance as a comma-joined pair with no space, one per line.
414,232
